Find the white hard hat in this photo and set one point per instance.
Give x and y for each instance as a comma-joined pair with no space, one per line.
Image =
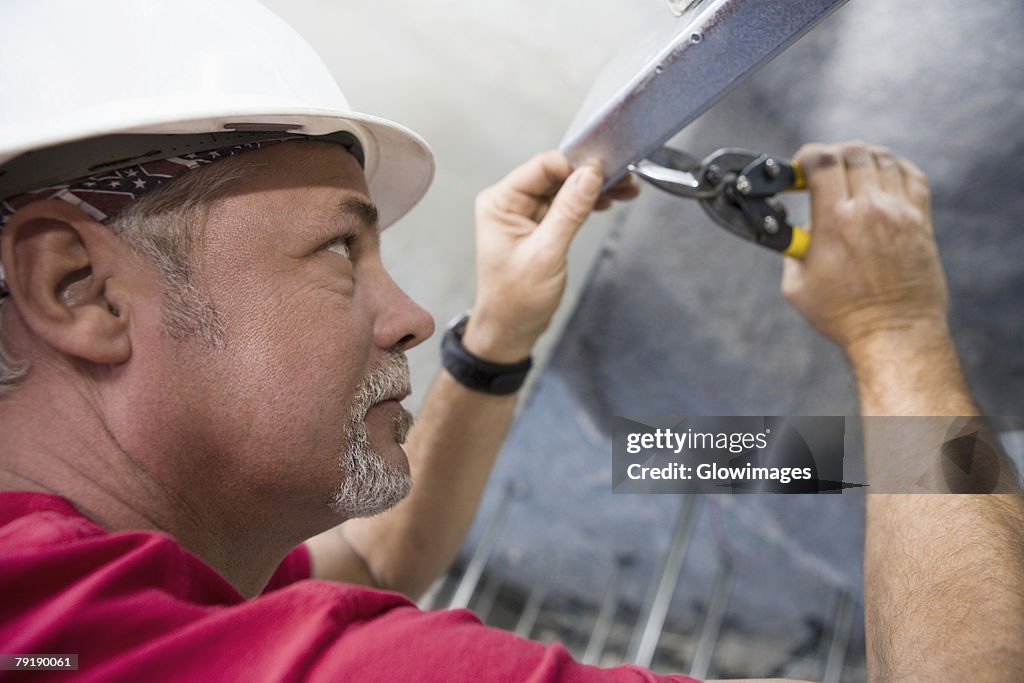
74,70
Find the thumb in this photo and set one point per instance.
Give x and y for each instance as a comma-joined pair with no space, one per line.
571,206
792,279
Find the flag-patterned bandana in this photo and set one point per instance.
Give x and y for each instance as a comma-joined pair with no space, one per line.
101,196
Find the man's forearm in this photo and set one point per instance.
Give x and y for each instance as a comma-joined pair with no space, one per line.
910,370
944,574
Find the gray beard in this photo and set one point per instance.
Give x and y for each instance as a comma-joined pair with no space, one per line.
371,485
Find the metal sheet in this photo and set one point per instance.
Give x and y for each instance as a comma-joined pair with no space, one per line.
663,80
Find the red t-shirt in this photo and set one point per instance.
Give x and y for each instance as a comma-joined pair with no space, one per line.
136,606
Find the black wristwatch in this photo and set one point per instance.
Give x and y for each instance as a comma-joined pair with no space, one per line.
476,373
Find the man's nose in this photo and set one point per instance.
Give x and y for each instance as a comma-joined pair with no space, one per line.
401,322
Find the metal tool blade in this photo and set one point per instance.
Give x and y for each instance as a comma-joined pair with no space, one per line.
674,171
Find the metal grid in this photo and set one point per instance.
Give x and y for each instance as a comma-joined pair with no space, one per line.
700,639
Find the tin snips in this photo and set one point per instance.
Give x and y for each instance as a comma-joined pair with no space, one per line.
737,189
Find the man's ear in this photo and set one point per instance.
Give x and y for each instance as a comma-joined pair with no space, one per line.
62,269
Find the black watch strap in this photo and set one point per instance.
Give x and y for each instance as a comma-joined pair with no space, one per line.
477,373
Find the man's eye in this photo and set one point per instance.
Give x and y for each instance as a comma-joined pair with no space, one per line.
342,245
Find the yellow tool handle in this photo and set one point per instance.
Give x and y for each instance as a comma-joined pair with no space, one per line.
801,239
799,179
799,243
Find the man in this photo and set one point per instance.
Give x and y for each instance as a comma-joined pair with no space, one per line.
212,372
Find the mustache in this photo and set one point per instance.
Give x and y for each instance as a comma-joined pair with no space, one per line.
387,379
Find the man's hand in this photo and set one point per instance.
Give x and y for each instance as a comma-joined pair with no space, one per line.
873,267
524,225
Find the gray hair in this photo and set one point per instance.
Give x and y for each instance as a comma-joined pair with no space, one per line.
165,225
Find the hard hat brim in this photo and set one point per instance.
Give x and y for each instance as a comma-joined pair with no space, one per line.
399,164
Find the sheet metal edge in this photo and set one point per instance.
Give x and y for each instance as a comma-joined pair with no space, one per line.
706,59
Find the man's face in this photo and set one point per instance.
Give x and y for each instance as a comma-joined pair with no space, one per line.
300,406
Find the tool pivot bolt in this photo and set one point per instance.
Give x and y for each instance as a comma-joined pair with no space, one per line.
772,168
743,185
771,225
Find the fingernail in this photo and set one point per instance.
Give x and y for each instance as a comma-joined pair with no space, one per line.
589,181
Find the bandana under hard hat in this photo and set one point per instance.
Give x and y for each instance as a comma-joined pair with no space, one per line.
103,195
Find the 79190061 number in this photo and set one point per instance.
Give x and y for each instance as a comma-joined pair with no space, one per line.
61,662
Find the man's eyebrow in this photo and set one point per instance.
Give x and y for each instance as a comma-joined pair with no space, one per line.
365,211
